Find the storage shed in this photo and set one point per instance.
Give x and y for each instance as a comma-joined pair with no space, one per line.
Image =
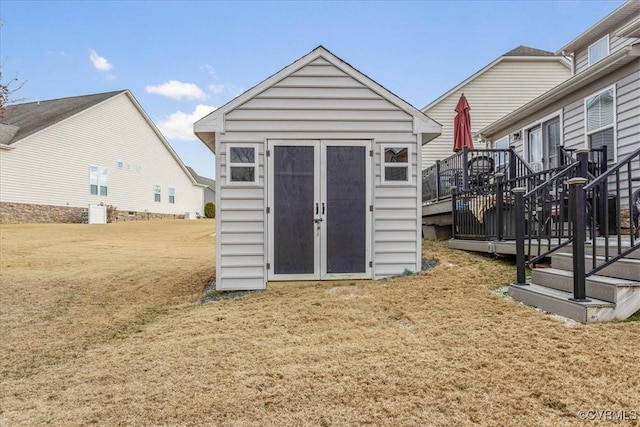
317,177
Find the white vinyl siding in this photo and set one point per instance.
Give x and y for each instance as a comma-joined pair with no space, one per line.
317,102
50,167
498,91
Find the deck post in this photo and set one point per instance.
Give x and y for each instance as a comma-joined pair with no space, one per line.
512,163
465,168
437,179
499,218
579,226
520,233
454,216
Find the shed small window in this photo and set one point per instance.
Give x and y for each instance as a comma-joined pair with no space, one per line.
599,50
395,164
172,195
156,193
242,164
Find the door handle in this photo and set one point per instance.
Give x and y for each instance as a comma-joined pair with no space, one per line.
317,220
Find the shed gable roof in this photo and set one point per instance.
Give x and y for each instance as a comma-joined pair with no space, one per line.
206,127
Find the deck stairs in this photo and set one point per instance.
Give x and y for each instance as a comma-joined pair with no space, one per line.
613,293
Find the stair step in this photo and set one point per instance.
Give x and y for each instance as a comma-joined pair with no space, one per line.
601,287
613,248
558,302
625,268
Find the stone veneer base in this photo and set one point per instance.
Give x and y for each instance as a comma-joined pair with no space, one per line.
17,213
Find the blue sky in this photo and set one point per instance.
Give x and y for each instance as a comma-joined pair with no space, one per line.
181,59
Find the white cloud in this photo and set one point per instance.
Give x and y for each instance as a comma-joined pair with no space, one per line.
99,63
179,125
216,88
177,90
209,69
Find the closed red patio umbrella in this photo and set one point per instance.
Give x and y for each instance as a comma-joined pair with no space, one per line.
462,126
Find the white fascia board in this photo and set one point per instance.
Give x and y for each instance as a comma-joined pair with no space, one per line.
594,72
6,147
212,122
426,126
632,29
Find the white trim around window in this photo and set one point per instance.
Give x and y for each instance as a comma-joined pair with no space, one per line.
395,164
602,122
98,180
539,123
598,50
242,164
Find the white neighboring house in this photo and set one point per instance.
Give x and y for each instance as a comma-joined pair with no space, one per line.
507,83
317,176
59,156
209,190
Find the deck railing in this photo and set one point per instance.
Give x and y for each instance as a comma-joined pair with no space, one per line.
469,168
574,207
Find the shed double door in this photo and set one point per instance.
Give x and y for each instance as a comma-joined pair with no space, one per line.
319,217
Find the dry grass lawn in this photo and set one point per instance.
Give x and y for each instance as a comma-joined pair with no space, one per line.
101,325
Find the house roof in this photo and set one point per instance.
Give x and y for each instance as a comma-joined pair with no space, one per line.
528,51
22,120
599,29
520,53
206,127
590,75
32,117
211,183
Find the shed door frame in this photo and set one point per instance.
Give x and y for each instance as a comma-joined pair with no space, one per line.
320,190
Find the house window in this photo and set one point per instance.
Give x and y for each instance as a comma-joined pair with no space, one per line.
395,164
599,50
139,169
502,157
600,113
97,180
172,195
543,141
120,165
156,193
242,164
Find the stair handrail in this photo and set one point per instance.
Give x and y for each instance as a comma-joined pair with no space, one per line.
597,191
